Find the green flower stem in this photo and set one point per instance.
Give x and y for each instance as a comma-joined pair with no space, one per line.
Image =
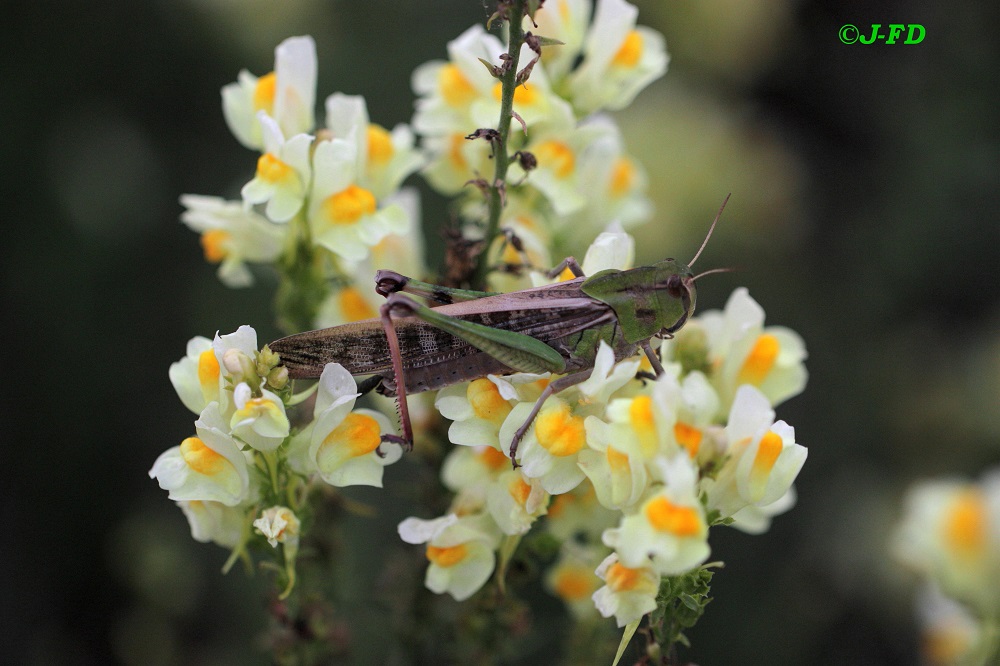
271,461
501,158
303,286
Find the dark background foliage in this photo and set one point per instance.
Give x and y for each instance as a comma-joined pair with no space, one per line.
863,215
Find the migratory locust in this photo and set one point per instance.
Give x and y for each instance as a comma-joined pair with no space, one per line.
554,328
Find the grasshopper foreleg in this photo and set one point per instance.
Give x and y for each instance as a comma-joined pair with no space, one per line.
654,360
558,385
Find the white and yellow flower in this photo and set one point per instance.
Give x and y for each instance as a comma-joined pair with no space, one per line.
402,252
613,183
742,351
566,21
384,158
232,235
615,464
196,377
950,634
283,173
620,59
757,519
345,446
641,428
279,524
288,94
950,533
260,421
461,94
762,457
347,304
455,160
558,148
668,532
515,502
572,578
344,216
469,472
236,355
461,551
551,446
214,521
675,414
578,515
628,592
613,248
447,89
607,377
477,409
207,467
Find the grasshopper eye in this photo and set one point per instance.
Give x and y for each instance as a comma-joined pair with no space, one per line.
674,286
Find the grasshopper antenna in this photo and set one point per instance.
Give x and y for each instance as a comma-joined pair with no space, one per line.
714,270
710,230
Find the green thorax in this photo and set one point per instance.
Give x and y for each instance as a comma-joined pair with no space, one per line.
648,300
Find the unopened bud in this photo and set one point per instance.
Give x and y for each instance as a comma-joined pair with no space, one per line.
239,365
278,377
266,361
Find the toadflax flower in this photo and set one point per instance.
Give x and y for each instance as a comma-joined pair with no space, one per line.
668,532
515,501
260,421
283,173
214,521
619,60
196,377
232,235
344,216
628,592
762,457
343,445
742,351
206,467
950,533
279,524
383,158
460,551
287,94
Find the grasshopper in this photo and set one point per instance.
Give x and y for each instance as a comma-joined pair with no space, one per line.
555,328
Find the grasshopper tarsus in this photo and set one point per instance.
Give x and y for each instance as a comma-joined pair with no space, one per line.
394,439
366,386
389,282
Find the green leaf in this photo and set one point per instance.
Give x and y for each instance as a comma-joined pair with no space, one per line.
507,548
491,68
549,41
626,637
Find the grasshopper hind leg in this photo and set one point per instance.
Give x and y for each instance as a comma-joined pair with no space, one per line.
406,441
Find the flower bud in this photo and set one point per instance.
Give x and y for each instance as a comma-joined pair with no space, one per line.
277,378
239,365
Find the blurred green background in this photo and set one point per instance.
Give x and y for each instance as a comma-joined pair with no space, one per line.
863,215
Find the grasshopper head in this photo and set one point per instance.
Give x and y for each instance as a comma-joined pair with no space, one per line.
648,301
675,286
